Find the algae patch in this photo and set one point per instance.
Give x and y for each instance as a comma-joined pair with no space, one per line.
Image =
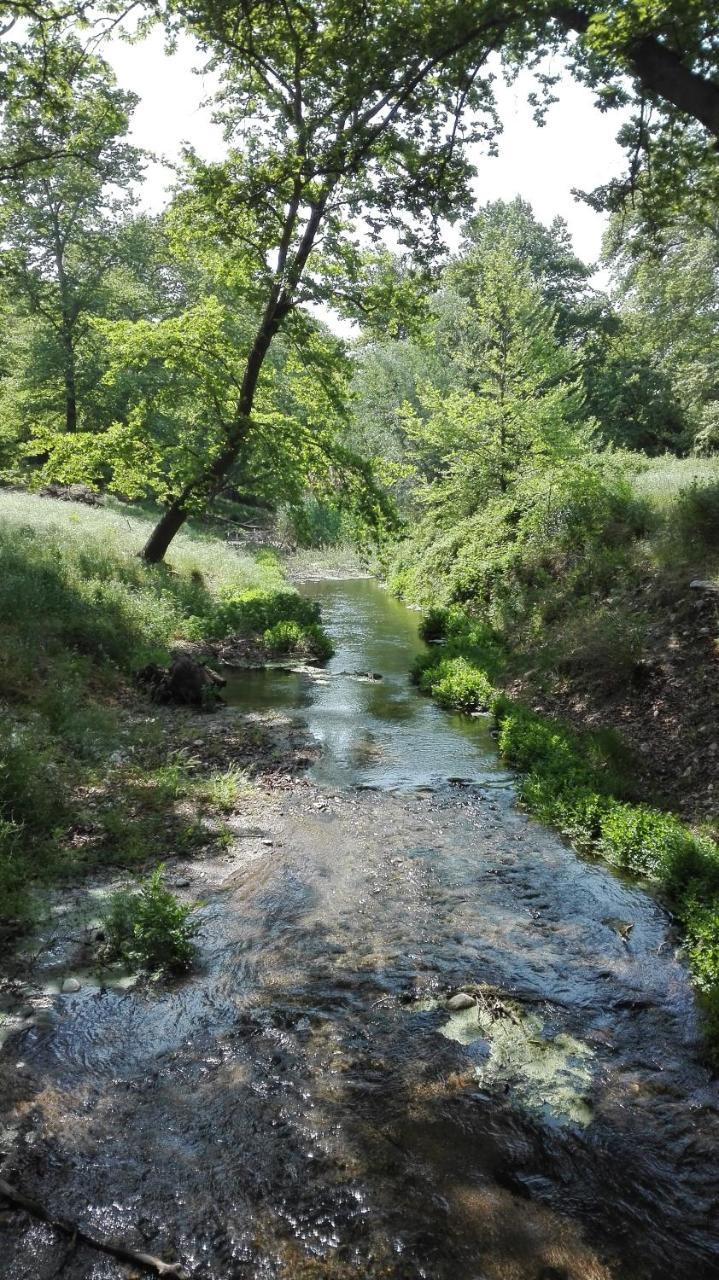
542,1071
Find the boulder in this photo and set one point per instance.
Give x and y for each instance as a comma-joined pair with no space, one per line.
461,1001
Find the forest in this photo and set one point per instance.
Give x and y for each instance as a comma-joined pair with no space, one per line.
327,360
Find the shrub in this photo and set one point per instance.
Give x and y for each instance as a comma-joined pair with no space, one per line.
283,637
255,611
434,625
641,839
702,923
697,517
291,637
457,684
150,927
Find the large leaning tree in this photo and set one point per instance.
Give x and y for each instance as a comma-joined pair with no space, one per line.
356,114
346,118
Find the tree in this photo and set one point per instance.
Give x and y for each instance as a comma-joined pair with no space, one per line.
547,253
357,110
668,297
176,377
61,217
515,406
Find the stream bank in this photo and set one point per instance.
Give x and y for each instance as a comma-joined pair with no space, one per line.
306,1104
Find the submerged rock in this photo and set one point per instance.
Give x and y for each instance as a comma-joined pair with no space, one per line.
461,1001
70,986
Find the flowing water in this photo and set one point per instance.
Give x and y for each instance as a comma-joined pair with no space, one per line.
307,1104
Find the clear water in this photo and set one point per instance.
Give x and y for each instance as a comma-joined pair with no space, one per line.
373,732
306,1106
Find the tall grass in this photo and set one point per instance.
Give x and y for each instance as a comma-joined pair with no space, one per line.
660,480
79,613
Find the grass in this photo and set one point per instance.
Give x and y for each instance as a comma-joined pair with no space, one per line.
660,480
85,776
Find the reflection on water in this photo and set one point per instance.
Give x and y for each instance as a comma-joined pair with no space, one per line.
373,732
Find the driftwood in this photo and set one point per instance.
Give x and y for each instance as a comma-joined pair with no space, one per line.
171,1270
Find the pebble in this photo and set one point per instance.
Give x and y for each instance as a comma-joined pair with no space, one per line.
70,986
461,1001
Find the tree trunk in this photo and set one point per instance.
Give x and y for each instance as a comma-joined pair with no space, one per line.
207,483
70,385
163,533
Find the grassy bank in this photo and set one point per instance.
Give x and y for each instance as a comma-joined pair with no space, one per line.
86,773
596,624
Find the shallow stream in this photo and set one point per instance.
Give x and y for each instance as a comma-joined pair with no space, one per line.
307,1104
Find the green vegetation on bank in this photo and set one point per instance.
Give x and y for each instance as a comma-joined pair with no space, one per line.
86,777
581,783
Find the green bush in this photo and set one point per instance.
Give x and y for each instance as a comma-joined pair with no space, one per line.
434,625
283,637
696,517
457,684
702,924
255,611
291,637
150,927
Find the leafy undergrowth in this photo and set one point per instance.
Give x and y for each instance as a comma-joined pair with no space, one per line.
584,575
86,778
149,927
582,784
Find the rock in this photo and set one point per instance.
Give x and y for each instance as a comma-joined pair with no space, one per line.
703,584
70,986
461,1001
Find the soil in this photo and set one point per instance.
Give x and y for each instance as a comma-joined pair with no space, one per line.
668,714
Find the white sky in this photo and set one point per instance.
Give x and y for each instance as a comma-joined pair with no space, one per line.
576,148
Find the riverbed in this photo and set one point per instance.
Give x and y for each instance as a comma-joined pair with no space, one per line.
308,1104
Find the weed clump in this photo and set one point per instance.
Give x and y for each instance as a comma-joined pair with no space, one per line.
151,928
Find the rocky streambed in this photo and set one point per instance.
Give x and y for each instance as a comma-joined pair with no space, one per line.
423,1040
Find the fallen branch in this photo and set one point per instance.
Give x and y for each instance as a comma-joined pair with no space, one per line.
171,1270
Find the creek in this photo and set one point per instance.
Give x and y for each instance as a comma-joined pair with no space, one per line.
307,1105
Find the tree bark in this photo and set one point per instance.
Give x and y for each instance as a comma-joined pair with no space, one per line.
70,382
660,70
